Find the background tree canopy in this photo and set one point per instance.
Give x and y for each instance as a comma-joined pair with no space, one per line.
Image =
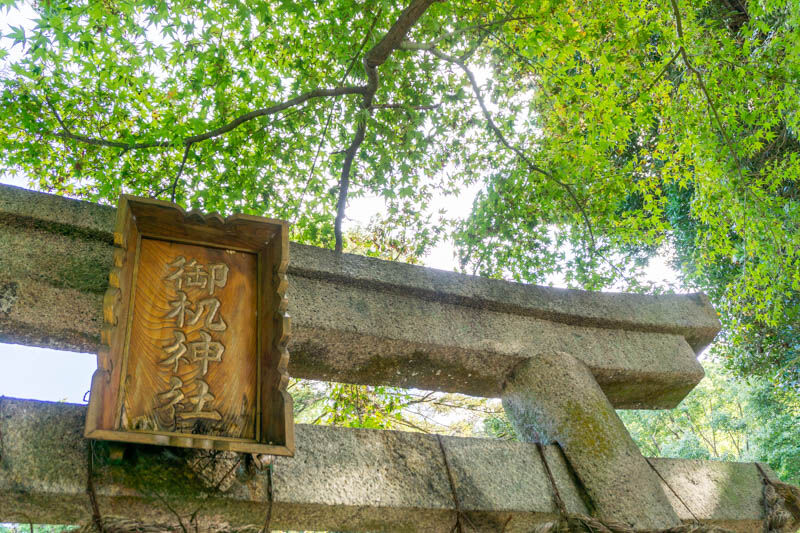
599,134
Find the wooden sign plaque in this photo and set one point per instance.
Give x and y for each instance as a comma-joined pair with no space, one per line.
194,342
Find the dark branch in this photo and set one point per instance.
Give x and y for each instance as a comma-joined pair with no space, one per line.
330,113
728,141
408,106
277,108
390,42
373,59
344,182
188,141
67,134
703,88
180,171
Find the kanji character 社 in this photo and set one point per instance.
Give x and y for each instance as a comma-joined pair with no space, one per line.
165,413
199,401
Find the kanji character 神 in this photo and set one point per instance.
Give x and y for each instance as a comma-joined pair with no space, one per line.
206,350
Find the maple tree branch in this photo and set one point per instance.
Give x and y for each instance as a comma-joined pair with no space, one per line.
390,42
233,124
701,83
277,108
461,63
407,106
431,45
67,134
180,171
330,113
374,58
344,182
728,141
652,83
504,141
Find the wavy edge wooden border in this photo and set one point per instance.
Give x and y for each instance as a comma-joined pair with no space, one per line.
106,384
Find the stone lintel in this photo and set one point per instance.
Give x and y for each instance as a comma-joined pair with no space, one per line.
340,479
363,320
690,315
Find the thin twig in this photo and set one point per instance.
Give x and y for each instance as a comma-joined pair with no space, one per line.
458,526
652,83
97,518
694,517
413,426
172,510
483,26
559,501
270,498
407,106
420,399
228,473
180,171
518,152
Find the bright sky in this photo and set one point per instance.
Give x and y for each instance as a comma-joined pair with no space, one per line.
42,374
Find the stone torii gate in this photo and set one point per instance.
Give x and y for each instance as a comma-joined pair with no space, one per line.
562,360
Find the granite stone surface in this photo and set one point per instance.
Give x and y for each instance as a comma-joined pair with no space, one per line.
340,479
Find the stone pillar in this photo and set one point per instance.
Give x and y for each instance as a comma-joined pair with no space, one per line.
554,398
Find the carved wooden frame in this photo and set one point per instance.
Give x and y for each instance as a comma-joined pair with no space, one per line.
268,240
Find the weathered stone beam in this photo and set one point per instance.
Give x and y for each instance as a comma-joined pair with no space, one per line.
340,479
362,320
553,398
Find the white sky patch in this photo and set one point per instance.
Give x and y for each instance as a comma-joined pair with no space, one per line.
23,16
42,374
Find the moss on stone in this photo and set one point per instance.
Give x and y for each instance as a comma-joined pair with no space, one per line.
591,426
154,471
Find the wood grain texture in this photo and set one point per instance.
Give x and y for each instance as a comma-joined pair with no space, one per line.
187,364
231,381
276,400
